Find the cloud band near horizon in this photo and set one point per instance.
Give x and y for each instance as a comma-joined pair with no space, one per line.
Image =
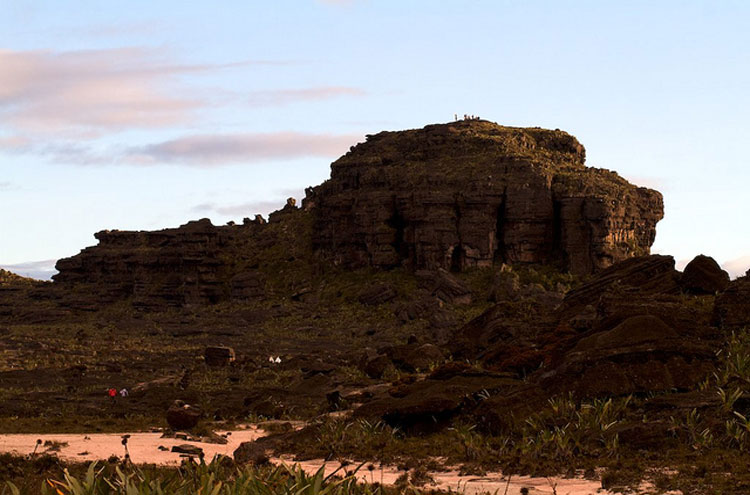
54,103
218,149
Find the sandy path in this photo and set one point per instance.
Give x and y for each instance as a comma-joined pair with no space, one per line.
144,448
471,485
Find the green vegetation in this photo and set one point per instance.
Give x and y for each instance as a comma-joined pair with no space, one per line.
220,477
10,278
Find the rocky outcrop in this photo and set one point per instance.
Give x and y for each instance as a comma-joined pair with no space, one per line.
628,329
172,267
732,308
703,275
429,404
192,265
181,416
443,286
469,193
653,274
641,354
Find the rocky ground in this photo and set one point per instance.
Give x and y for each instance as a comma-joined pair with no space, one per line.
465,292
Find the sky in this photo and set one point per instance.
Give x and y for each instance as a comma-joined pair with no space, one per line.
144,115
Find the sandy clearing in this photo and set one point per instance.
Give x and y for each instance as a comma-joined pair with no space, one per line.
144,449
472,485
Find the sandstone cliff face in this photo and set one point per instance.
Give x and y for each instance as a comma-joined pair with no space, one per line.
469,193
173,266
197,263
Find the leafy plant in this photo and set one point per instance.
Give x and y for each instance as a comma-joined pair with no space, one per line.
208,479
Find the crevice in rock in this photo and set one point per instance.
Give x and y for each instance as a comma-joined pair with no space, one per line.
500,254
589,233
458,255
399,244
558,254
457,258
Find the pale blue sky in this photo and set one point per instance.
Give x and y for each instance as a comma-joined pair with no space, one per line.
144,115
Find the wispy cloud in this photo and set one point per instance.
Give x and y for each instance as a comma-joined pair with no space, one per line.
203,150
286,96
57,105
5,186
217,149
83,93
247,209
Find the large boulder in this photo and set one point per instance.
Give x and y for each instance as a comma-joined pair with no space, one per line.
429,404
182,416
377,294
251,453
444,286
732,307
504,336
654,274
703,275
413,357
641,354
218,356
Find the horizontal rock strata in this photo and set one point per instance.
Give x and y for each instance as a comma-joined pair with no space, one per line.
469,193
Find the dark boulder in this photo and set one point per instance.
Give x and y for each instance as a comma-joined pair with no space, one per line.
641,354
377,294
732,307
414,357
500,332
654,274
444,286
375,367
182,416
186,448
423,306
428,405
219,356
703,275
251,453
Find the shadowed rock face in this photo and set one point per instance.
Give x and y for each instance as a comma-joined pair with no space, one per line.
732,309
703,275
469,193
171,267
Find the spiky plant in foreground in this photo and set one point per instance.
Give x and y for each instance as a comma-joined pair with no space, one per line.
210,479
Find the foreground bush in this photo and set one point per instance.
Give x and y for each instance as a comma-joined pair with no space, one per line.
208,479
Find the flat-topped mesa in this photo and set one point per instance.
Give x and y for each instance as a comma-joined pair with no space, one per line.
470,193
